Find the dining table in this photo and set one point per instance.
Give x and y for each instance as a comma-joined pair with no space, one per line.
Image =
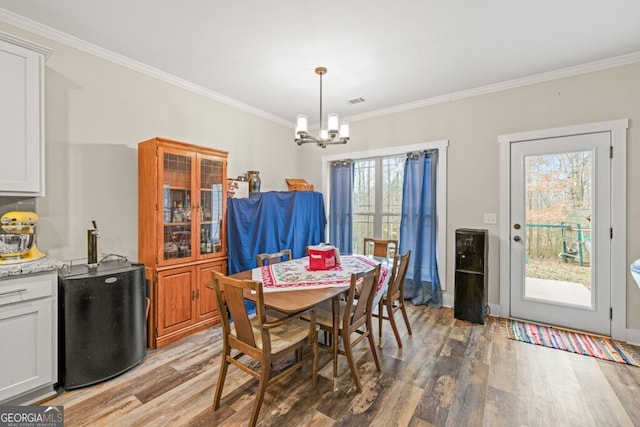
292,287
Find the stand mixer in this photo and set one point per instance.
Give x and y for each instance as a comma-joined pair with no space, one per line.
18,237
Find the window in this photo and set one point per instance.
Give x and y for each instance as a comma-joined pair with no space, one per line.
391,211
377,198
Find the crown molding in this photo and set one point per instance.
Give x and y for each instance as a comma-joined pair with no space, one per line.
604,64
69,40
42,50
60,37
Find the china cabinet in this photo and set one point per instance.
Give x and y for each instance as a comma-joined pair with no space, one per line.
22,116
181,234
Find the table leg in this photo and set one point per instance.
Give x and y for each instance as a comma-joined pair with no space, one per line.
335,339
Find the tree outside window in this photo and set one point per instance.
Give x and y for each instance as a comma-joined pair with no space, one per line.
377,199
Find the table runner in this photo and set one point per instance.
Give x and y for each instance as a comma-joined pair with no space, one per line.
295,274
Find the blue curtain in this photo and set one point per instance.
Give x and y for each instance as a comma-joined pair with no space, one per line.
418,228
340,206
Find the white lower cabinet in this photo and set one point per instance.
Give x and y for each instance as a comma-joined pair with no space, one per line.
29,337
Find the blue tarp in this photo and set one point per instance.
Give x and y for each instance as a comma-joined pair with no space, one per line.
272,221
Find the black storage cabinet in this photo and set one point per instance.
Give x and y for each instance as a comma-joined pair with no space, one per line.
470,299
102,322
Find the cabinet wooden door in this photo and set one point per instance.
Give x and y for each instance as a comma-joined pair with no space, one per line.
26,327
176,225
174,299
207,305
211,209
21,124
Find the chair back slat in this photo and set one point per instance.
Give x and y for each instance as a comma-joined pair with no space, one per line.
402,273
398,274
273,258
367,283
380,248
233,300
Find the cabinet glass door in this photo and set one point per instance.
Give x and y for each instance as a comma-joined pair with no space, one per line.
211,204
176,206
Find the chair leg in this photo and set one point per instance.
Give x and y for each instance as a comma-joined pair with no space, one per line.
380,313
314,361
262,386
346,341
372,344
392,320
222,375
334,349
335,304
406,317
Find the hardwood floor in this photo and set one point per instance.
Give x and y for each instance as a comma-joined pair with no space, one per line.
450,373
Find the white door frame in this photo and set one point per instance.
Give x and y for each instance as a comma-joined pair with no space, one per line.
618,130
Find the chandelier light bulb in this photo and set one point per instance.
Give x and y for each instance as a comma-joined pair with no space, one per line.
333,123
302,124
344,131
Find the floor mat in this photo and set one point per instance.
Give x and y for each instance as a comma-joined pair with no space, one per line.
575,342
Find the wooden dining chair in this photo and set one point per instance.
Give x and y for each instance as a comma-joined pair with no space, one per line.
354,318
273,258
262,337
379,247
393,300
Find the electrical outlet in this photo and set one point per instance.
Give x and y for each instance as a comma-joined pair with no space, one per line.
490,218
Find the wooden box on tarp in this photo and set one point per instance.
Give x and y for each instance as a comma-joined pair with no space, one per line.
298,184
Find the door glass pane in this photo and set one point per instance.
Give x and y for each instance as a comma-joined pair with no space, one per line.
177,206
558,195
210,205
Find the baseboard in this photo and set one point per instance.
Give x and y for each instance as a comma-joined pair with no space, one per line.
33,397
494,310
633,336
449,301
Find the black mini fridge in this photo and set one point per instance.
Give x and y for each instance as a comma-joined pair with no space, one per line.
471,280
102,322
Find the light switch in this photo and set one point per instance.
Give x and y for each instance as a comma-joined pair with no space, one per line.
490,218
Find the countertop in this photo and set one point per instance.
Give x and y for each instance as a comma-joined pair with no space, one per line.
30,267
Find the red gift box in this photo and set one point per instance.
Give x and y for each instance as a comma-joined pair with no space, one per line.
322,257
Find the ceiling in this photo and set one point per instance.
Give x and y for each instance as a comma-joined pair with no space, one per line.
260,55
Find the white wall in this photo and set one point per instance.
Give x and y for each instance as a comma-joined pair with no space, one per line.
95,114
472,126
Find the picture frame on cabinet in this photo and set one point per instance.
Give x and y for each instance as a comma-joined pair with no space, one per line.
237,189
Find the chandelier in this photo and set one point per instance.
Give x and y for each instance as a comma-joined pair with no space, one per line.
334,133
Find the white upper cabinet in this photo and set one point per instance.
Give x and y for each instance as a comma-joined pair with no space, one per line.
21,117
